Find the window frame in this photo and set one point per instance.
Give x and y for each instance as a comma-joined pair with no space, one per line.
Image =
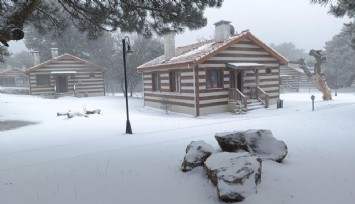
220,76
175,81
156,86
40,82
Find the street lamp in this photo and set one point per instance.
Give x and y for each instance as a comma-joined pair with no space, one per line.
124,41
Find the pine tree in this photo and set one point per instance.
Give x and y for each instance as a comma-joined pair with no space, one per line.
340,64
341,8
93,16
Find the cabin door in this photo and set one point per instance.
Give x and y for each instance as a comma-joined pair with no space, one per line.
237,80
62,84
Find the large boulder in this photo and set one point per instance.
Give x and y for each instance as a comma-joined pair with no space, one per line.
236,175
196,154
261,142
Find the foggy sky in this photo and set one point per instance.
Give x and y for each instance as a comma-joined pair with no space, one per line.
273,21
307,25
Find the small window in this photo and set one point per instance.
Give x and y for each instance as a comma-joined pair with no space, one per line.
92,75
155,81
175,81
19,81
9,81
268,71
214,78
43,80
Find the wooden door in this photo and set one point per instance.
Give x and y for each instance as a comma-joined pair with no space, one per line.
62,84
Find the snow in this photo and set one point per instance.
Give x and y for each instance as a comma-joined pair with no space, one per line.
246,64
231,168
261,142
197,150
92,160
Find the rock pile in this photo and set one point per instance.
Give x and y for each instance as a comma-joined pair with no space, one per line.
236,171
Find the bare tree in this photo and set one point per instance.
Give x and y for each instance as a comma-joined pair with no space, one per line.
317,78
165,103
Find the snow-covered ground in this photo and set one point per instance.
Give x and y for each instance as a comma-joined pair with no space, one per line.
90,160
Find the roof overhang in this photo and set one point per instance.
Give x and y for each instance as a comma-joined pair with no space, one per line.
63,72
245,66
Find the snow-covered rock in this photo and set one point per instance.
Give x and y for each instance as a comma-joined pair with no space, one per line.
236,175
196,154
258,141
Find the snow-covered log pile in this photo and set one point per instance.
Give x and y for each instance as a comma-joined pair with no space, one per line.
86,113
261,142
236,169
196,154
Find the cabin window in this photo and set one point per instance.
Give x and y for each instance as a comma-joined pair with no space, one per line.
9,81
268,71
19,81
92,75
175,81
43,80
156,81
214,78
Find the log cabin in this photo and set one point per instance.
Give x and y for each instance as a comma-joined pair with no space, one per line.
293,79
13,77
214,76
65,75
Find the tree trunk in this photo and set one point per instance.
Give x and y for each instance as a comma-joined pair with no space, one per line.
317,78
319,81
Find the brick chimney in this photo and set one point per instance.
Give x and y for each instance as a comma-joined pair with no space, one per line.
223,30
54,52
169,45
36,60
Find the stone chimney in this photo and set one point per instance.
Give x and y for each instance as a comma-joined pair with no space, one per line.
223,30
36,60
169,45
54,52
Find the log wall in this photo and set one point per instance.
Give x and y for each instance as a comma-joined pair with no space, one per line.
196,99
89,81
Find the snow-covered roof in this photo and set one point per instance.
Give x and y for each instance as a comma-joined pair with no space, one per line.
63,72
11,69
197,53
65,56
245,65
297,68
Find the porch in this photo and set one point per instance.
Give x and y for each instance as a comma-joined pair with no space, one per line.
245,97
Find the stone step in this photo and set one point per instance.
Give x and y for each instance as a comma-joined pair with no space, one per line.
255,104
256,107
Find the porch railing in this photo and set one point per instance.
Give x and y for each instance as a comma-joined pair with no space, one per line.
236,95
263,96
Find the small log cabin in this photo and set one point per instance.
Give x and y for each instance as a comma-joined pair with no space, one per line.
290,77
66,75
213,76
293,79
13,77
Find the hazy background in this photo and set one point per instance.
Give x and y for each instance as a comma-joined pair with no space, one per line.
308,26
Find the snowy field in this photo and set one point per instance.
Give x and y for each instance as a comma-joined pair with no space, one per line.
91,161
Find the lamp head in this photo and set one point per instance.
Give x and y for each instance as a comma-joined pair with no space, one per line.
128,42
129,50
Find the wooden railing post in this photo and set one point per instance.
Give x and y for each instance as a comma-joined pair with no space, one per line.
267,101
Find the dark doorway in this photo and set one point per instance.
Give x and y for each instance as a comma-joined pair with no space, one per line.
239,81
236,80
62,84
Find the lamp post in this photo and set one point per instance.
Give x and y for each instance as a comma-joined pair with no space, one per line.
124,41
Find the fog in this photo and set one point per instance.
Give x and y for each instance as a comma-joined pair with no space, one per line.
308,26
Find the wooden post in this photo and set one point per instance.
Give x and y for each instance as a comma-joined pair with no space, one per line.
257,82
